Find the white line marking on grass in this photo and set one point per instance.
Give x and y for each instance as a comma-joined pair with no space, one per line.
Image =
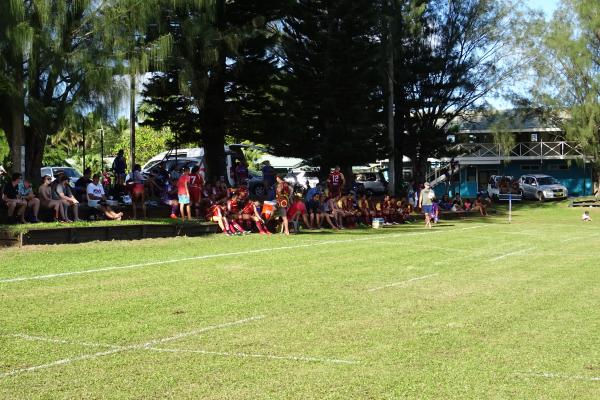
201,330
61,341
580,238
514,253
121,349
402,283
249,355
524,233
562,376
64,361
237,253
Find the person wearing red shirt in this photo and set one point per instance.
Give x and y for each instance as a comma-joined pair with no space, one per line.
336,182
183,193
351,213
250,213
216,213
297,210
196,185
234,214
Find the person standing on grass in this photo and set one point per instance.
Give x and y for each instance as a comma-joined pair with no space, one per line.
119,168
183,193
196,187
283,192
137,190
268,176
426,203
336,182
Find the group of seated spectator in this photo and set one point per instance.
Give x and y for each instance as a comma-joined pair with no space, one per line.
446,204
185,194
55,195
457,204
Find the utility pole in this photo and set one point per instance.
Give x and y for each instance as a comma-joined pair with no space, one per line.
83,140
101,149
390,103
132,120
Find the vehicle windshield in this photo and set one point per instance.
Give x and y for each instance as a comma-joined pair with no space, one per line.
548,180
150,164
69,172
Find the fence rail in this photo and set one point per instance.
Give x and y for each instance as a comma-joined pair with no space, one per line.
527,150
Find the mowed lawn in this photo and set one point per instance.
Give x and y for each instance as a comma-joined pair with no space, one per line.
475,309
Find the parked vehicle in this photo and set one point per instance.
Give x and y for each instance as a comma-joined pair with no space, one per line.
256,184
54,172
175,160
503,188
372,182
302,177
542,187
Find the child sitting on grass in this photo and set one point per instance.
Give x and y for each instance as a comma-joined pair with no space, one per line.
586,217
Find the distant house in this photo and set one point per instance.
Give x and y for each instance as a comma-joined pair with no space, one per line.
508,144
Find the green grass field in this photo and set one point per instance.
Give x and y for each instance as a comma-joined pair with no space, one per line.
476,309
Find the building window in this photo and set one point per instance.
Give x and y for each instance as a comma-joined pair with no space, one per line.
530,167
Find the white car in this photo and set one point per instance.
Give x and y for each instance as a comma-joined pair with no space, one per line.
371,182
302,177
175,160
70,172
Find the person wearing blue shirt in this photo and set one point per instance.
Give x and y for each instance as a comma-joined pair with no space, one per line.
268,176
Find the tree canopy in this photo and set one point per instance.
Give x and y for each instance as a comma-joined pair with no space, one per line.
319,79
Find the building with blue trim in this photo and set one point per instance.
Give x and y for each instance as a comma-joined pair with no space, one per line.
513,146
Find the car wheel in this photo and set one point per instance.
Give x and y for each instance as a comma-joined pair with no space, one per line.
259,190
540,197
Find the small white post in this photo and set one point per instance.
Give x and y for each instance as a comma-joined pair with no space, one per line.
510,208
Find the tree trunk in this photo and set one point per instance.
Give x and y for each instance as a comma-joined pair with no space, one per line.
213,131
17,124
347,171
35,139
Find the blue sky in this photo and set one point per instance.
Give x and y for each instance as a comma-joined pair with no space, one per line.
547,5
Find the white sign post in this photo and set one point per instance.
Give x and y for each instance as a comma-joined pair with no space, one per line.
510,208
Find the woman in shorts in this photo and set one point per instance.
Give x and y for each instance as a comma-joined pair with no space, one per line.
137,190
46,201
426,203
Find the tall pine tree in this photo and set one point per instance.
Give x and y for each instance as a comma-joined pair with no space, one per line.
218,75
331,97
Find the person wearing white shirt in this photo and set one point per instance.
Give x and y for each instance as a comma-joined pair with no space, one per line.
96,194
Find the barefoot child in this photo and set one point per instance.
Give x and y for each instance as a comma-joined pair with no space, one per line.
183,193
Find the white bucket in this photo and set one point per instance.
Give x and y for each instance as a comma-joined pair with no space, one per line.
377,223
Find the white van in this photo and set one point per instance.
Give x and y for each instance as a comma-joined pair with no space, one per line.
174,160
